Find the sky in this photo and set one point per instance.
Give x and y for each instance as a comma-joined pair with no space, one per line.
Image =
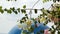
8,21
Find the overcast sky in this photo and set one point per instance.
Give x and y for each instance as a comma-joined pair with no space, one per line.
8,21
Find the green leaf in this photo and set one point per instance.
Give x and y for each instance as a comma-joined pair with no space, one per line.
50,29
23,11
15,12
35,10
12,8
2,11
53,27
58,32
18,9
15,0
0,7
53,32
45,1
48,11
8,0
21,21
44,24
24,6
26,15
58,0
54,0
31,29
9,11
5,9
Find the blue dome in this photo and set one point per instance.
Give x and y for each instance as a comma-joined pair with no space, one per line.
16,30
